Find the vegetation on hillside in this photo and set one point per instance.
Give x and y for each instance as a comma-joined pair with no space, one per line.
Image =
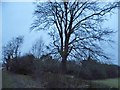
50,80
46,72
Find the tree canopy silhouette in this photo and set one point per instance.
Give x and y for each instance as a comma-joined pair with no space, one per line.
12,50
76,27
38,48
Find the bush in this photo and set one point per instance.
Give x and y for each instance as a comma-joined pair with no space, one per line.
46,65
94,70
85,73
23,65
90,69
112,71
73,68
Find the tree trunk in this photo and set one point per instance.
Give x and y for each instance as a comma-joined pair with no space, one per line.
6,67
64,65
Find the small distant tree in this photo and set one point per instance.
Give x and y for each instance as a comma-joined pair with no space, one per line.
12,50
38,48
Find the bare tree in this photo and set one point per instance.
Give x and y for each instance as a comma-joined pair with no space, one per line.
12,50
38,48
76,27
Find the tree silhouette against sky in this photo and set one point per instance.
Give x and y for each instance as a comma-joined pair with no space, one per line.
76,27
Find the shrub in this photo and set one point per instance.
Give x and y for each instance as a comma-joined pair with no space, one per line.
73,68
112,71
94,70
46,65
23,65
85,73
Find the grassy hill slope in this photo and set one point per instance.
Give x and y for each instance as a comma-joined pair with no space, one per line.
11,80
109,82
50,80
27,72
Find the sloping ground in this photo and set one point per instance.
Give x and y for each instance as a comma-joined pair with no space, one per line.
109,82
10,80
50,80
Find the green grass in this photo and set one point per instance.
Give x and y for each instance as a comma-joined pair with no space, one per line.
53,80
109,82
10,80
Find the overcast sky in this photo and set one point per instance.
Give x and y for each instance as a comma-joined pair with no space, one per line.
17,18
